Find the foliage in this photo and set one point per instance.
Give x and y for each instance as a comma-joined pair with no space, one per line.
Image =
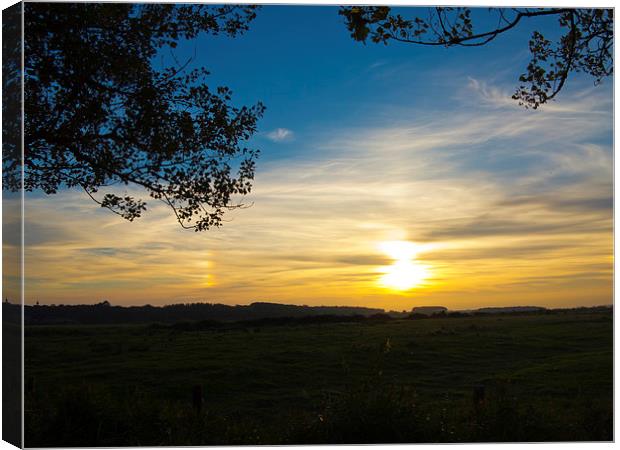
586,45
101,111
372,411
11,93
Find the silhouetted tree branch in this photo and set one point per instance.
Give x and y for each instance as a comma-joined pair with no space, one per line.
100,112
586,46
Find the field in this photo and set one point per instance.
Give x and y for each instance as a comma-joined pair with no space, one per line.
540,377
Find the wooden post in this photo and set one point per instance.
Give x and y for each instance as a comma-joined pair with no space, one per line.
479,394
197,398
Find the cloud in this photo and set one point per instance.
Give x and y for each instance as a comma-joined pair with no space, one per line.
377,64
280,135
580,205
489,226
489,95
495,97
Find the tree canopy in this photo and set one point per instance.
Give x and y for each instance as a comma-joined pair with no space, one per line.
100,111
586,44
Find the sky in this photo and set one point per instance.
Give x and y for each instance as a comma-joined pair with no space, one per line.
390,177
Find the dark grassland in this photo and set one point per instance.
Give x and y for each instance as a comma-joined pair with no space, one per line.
541,377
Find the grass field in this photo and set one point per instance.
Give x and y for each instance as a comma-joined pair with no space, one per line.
542,377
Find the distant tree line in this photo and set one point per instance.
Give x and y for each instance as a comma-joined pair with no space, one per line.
104,313
192,316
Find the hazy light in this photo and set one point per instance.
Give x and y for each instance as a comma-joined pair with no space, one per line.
399,250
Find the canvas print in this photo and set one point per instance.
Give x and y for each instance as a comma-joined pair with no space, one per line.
292,224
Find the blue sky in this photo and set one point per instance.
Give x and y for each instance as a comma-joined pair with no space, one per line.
302,64
363,145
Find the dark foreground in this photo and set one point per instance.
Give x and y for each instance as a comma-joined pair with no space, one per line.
542,377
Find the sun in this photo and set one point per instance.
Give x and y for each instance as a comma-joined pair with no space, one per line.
405,273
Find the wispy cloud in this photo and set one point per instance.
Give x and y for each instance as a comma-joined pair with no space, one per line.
377,64
280,135
489,95
493,96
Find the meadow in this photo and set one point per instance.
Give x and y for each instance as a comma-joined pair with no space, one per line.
522,377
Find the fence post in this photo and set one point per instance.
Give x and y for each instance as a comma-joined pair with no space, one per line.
479,394
197,398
